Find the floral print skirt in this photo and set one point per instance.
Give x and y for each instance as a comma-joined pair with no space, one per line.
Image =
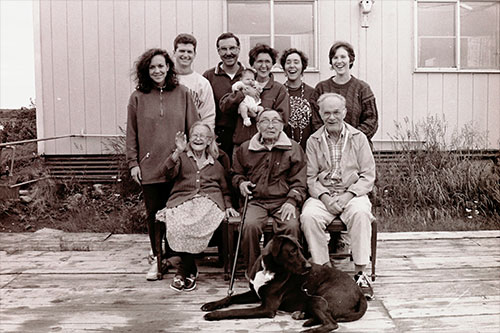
190,225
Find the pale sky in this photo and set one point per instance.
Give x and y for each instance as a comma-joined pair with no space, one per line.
17,60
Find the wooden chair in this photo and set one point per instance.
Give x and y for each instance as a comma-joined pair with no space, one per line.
232,224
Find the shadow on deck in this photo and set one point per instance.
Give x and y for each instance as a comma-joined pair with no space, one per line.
55,281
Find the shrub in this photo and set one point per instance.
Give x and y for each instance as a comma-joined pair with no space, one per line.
432,181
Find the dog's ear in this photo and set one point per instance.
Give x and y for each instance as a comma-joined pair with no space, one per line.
276,245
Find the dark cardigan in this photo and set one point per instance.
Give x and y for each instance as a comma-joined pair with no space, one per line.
189,181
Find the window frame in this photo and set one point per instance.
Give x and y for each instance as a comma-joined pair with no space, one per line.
458,69
278,69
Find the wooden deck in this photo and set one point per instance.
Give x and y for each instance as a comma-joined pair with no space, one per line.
57,282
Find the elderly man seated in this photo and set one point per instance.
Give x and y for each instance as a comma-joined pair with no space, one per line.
271,169
340,174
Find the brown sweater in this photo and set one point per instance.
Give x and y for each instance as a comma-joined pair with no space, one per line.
189,181
360,102
153,120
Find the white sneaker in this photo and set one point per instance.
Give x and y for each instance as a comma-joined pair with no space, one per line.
153,271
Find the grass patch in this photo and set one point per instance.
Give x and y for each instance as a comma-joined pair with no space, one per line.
434,186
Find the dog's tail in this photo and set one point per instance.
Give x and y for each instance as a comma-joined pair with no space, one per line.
359,311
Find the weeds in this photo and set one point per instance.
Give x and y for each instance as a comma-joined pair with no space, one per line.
435,185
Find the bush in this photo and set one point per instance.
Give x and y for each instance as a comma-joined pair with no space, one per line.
431,181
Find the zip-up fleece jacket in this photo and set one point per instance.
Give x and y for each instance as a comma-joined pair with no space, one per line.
273,96
153,119
357,163
221,84
279,173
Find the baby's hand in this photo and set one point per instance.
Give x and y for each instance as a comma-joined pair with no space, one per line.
247,122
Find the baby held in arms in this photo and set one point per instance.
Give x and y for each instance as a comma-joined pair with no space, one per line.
250,106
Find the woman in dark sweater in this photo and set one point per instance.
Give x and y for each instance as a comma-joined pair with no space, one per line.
199,200
157,109
360,101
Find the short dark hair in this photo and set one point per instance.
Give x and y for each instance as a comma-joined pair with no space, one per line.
287,52
227,35
185,39
259,115
249,70
141,71
261,48
348,47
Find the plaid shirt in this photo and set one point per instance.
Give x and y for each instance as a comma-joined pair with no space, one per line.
335,150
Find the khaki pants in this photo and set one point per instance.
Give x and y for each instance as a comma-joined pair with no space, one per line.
356,216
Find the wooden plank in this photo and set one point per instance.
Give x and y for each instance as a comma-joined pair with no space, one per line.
435,95
481,323
443,306
137,29
387,236
493,110
91,75
388,101
420,91
465,93
47,75
326,22
184,10
123,65
107,82
152,33
450,105
201,33
75,76
480,107
215,28
168,14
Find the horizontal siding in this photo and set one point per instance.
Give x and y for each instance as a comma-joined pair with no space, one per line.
88,48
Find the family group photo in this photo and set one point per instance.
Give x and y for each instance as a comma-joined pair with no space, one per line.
250,166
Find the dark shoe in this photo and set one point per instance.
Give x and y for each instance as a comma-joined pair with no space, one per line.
364,283
190,282
177,283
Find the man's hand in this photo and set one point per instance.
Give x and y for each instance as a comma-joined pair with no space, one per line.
245,188
287,211
136,174
331,204
343,199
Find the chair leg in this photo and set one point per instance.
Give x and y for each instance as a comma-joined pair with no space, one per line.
374,248
225,248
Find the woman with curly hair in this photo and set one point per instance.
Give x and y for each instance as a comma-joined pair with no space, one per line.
274,96
157,109
294,62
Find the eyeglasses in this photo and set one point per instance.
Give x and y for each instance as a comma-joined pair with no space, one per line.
267,122
231,49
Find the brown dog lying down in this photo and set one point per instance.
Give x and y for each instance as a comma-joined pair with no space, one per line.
282,279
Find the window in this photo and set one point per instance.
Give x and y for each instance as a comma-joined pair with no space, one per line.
279,23
458,34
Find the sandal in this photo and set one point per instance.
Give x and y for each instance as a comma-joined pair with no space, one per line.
177,283
190,282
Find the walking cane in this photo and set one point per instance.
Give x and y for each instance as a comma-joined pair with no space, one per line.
231,283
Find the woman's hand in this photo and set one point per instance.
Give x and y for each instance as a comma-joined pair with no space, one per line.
231,212
250,91
136,174
180,142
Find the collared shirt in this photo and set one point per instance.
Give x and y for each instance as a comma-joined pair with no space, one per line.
209,160
335,151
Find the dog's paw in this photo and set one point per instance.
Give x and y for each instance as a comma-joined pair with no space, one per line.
211,306
298,315
211,316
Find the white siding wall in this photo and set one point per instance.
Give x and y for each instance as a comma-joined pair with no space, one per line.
87,50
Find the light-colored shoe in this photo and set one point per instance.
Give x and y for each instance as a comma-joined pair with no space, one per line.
153,271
